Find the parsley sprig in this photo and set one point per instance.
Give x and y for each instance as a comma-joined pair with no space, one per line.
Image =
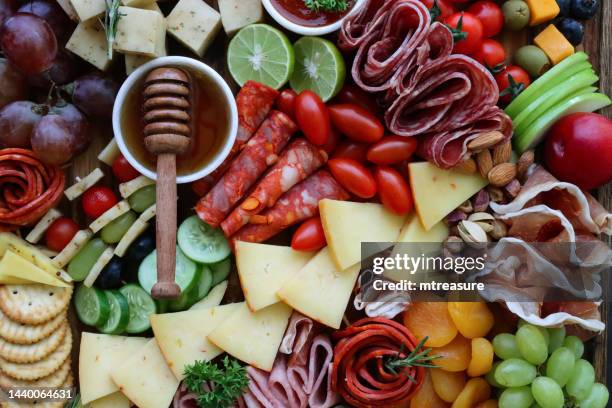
227,383
327,5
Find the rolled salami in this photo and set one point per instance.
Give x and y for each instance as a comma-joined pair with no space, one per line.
259,153
299,160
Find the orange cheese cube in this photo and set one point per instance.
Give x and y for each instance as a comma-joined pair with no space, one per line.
554,44
542,11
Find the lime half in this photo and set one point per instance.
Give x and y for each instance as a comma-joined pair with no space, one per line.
261,53
319,66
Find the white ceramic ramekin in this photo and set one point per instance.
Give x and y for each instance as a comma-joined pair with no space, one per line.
191,65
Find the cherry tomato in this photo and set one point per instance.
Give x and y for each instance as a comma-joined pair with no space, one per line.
353,176
353,94
332,141
490,15
285,102
356,123
312,117
444,8
467,31
392,149
97,200
491,54
309,236
511,82
351,150
123,170
60,233
393,190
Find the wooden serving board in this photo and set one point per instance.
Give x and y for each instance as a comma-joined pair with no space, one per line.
597,43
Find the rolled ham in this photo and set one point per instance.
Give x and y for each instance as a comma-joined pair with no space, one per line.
259,153
298,161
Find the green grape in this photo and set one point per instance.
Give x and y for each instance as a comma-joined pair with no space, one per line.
532,344
560,365
490,376
518,397
142,199
545,334
81,264
556,334
116,229
598,397
504,346
515,372
575,344
547,393
581,380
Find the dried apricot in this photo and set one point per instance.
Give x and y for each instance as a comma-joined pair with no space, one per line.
446,384
431,320
472,319
455,356
427,397
487,404
482,357
476,390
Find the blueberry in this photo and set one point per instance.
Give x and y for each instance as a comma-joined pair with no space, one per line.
572,30
110,277
565,6
584,9
142,247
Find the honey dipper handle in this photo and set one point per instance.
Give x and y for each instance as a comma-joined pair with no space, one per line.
165,229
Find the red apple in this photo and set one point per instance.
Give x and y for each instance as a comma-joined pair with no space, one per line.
579,150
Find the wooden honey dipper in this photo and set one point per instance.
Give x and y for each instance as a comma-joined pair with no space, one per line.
167,132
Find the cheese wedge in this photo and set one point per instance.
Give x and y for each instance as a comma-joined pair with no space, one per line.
214,297
182,336
41,227
437,192
74,246
109,153
347,225
99,355
145,378
96,269
264,268
112,213
253,337
319,290
138,227
130,187
84,184
116,400
13,265
10,241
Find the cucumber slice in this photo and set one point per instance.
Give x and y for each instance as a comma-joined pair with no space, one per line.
161,305
201,242
186,276
91,305
141,306
184,301
205,283
588,102
221,270
119,316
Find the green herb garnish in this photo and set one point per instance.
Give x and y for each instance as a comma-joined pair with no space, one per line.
111,18
227,383
419,357
326,5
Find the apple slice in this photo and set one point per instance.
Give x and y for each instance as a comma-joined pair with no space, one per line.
580,102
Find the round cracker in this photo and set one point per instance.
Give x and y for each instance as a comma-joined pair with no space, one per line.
33,304
19,333
54,380
31,353
42,368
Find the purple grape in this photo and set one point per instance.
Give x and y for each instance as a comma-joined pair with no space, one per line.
14,86
7,9
53,140
95,94
53,14
64,69
17,120
76,122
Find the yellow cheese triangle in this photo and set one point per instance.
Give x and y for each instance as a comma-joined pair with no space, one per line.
10,241
116,400
12,265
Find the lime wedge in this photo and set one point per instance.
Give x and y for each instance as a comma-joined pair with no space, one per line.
319,66
260,53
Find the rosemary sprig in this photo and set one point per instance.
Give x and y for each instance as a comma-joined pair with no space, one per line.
419,357
111,18
326,5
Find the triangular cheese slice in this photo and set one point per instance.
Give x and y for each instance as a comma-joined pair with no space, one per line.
437,192
10,241
116,400
98,356
348,224
320,291
145,378
12,265
253,337
214,297
182,336
264,268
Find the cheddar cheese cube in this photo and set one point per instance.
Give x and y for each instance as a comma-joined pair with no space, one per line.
542,11
554,44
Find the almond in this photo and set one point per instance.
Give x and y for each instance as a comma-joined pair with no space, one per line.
524,162
502,153
485,162
485,141
467,166
502,174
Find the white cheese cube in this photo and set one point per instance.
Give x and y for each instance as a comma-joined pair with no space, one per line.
139,31
150,6
195,24
87,9
137,3
88,41
109,153
68,9
236,14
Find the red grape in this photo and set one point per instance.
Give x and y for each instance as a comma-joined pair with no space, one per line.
77,123
29,43
64,69
14,85
7,9
52,140
95,94
17,120
53,14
